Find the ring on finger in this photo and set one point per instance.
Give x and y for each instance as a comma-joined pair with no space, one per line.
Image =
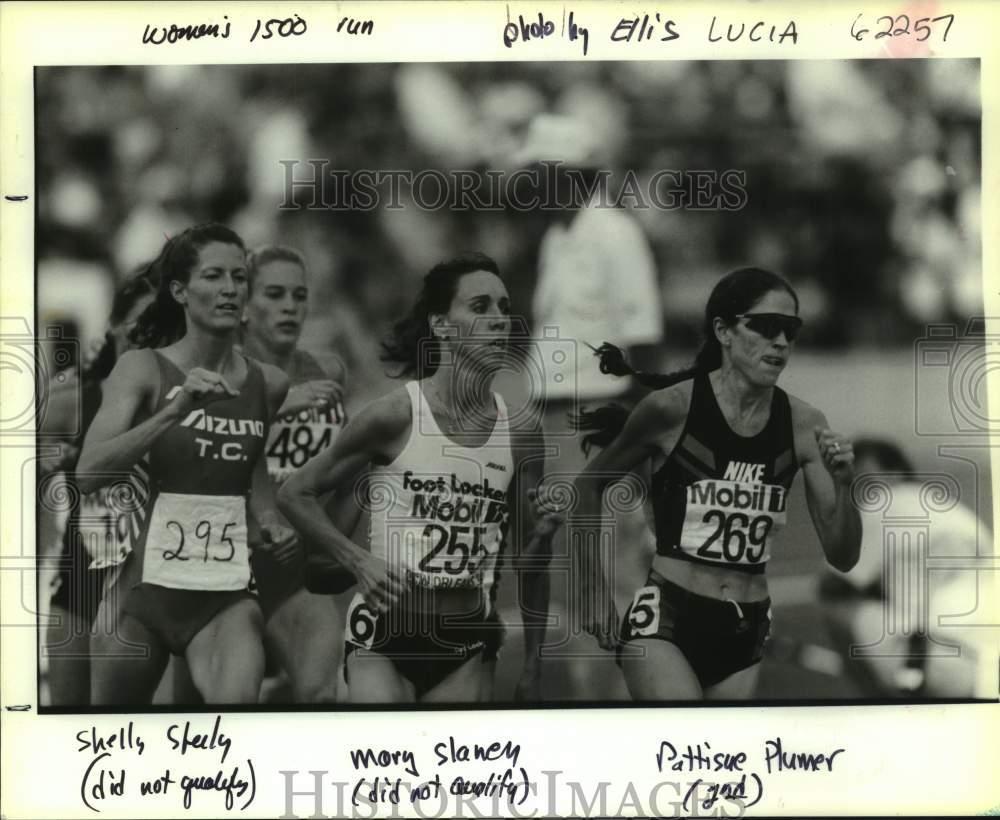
836,447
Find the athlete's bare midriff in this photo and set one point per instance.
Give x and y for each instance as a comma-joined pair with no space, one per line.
712,582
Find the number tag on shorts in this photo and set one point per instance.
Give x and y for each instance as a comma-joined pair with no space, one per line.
103,530
644,614
361,621
197,542
727,522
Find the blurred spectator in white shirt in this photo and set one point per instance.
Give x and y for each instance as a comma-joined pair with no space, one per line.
597,279
910,617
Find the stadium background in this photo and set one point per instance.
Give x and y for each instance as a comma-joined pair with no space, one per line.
863,190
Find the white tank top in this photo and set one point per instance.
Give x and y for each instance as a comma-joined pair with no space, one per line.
439,510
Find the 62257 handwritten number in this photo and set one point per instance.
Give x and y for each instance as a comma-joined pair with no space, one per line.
290,26
900,27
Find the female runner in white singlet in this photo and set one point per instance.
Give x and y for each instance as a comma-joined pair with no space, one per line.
448,468
195,412
305,630
724,444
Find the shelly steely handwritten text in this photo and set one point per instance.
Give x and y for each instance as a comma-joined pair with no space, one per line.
205,765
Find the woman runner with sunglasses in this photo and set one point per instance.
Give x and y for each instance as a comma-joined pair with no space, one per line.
723,443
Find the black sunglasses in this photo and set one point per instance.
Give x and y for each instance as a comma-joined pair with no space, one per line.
771,325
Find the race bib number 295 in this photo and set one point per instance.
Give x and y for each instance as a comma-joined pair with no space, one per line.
197,542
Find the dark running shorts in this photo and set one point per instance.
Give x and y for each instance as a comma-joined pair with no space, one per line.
718,638
275,583
424,647
175,616
326,576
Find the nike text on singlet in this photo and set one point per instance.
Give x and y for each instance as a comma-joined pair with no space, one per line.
297,437
719,498
439,510
193,532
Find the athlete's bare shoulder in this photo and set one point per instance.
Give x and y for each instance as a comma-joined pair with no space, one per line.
133,383
276,383
806,419
136,369
336,370
663,410
804,416
306,366
383,425
392,411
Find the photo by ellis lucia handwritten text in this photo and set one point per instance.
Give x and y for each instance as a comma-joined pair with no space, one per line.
206,766
655,27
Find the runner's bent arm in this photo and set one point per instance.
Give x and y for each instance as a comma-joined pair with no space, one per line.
657,415
532,545
828,477
112,445
366,439
325,389
262,506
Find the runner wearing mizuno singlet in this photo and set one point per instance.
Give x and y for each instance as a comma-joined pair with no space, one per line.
724,444
304,630
447,468
198,412
194,533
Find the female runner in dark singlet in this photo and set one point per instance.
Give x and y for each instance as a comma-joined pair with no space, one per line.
93,540
445,461
194,414
305,630
724,444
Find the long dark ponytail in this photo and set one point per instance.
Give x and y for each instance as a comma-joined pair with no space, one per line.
131,291
737,292
163,323
412,343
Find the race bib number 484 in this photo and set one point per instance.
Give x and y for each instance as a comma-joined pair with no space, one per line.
197,542
730,523
296,439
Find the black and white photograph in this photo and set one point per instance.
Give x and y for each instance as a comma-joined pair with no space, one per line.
462,302
377,386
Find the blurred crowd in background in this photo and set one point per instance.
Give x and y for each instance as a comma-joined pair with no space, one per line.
862,179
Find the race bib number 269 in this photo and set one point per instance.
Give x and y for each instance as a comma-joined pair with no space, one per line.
730,523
